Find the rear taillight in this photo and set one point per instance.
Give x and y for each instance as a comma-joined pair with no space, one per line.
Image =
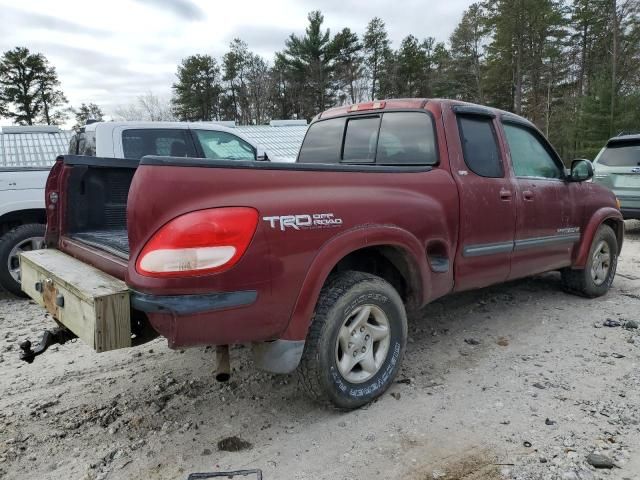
197,243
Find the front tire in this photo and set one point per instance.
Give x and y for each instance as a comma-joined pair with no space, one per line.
356,341
20,239
597,276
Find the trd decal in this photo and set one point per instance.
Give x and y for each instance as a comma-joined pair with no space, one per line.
303,221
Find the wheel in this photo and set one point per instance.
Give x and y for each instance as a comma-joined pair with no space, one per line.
20,239
356,341
597,276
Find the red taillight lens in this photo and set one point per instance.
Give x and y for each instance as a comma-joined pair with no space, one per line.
197,243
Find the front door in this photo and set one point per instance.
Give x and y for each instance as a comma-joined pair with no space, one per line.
487,200
546,228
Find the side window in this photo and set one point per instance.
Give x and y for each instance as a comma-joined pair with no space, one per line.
360,139
151,141
224,146
480,147
73,145
322,142
529,156
407,138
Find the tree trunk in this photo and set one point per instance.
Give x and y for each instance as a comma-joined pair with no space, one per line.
374,77
614,64
517,99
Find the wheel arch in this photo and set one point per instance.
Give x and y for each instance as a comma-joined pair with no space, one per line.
604,216
389,252
15,218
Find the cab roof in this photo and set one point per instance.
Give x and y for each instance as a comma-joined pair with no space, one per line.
416,104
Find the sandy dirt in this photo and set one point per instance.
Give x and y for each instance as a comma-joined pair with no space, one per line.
517,381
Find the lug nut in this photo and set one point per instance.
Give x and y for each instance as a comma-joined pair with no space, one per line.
367,337
361,329
364,349
355,354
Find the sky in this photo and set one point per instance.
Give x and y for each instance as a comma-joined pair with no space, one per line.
110,52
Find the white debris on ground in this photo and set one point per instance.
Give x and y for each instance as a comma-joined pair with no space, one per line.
519,381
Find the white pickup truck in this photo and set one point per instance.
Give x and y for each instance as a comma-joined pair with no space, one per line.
27,153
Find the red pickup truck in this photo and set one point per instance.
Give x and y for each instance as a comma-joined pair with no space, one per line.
391,204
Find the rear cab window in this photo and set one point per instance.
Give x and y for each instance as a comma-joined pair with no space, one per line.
361,139
136,143
83,143
322,142
389,138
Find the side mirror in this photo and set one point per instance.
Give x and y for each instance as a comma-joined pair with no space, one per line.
261,155
581,170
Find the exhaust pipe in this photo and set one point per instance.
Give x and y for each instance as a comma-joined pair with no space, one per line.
223,367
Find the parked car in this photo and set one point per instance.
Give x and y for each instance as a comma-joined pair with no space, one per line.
30,152
390,205
617,167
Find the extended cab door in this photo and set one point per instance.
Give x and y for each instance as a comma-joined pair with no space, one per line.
547,227
487,203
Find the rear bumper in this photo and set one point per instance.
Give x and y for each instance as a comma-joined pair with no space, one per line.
630,213
191,304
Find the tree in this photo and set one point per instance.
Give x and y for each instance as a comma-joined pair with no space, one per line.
376,47
467,55
147,107
197,91
412,61
29,88
348,64
88,111
259,80
51,98
310,61
234,64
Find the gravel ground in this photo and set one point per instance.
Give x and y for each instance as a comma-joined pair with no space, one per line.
518,381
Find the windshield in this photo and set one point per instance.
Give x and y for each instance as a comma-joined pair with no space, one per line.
624,155
223,145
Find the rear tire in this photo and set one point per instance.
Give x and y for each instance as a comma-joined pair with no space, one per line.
597,276
22,238
356,341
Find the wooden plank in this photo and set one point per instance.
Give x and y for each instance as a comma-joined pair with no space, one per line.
96,305
86,281
113,322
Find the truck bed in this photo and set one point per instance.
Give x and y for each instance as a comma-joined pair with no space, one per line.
96,209
115,241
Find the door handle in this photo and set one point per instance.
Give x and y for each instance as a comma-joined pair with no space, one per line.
505,194
527,195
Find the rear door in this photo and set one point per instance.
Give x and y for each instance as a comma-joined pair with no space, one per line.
487,199
548,223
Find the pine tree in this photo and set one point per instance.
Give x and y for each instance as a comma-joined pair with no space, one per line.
467,69
349,65
197,91
29,88
310,60
87,111
376,47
